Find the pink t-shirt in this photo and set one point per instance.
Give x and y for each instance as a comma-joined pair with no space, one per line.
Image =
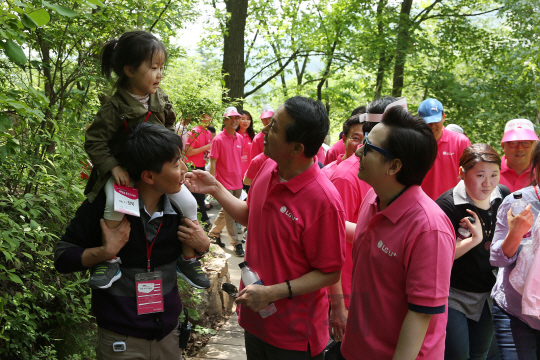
295,227
196,138
246,155
329,169
444,174
335,150
227,149
258,145
255,165
511,179
320,155
352,190
402,255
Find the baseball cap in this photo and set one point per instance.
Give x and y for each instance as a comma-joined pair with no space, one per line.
267,112
455,128
519,130
431,110
231,111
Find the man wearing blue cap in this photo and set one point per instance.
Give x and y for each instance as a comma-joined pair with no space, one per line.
444,173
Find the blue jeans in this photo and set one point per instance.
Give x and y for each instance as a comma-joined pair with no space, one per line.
466,338
517,341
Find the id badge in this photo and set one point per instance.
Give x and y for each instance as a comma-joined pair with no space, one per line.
149,292
126,200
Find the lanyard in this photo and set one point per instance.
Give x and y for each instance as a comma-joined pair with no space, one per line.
145,120
536,190
149,247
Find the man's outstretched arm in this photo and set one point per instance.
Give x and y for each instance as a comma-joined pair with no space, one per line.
202,182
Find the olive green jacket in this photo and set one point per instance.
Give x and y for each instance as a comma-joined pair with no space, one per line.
104,138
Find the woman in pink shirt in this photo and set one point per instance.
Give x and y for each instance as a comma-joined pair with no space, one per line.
246,129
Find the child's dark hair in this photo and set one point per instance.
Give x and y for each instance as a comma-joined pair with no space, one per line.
148,147
132,49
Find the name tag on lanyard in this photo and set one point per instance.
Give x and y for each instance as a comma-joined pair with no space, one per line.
126,200
149,292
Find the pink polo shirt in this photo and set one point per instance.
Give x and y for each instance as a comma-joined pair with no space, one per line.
320,155
246,155
511,179
329,169
445,171
255,165
335,150
352,191
295,227
228,150
402,255
196,138
258,145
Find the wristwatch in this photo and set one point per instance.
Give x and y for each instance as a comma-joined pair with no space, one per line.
201,254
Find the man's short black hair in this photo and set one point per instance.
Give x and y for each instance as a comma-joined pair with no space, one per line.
377,106
353,120
358,110
148,147
409,139
310,124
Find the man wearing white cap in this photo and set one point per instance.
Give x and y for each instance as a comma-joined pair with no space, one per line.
450,145
226,166
517,144
258,141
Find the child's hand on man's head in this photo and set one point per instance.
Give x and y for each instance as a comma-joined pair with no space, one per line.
121,176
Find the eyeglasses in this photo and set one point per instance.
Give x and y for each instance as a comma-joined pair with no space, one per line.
515,144
355,139
367,145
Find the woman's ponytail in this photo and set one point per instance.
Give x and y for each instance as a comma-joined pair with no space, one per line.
107,54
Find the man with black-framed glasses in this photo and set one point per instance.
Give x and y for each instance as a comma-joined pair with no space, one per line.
517,143
403,248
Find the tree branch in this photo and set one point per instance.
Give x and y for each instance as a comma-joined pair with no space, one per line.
271,77
458,15
159,17
251,46
426,11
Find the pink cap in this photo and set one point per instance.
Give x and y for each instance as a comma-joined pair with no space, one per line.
231,111
266,112
519,130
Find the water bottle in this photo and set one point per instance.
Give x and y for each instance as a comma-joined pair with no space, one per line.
518,205
250,277
463,231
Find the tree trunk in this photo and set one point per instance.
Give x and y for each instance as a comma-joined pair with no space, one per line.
233,67
402,45
382,54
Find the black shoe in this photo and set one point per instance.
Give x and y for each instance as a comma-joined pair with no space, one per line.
244,237
239,250
206,225
192,273
217,240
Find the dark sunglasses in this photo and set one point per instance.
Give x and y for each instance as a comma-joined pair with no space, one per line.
367,145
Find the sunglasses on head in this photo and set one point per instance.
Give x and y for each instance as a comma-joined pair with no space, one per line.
367,145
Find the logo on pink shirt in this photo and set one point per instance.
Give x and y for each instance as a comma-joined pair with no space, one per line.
385,249
447,153
286,212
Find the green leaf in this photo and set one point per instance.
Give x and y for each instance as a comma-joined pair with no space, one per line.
44,253
62,10
5,122
19,3
15,278
28,22
96,2
40,17
14,52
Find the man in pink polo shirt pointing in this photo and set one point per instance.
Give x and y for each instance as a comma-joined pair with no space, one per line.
258,141
450,145
403,248
296,238
517,143
226,166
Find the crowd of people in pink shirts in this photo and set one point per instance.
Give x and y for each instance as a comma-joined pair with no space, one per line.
417,219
